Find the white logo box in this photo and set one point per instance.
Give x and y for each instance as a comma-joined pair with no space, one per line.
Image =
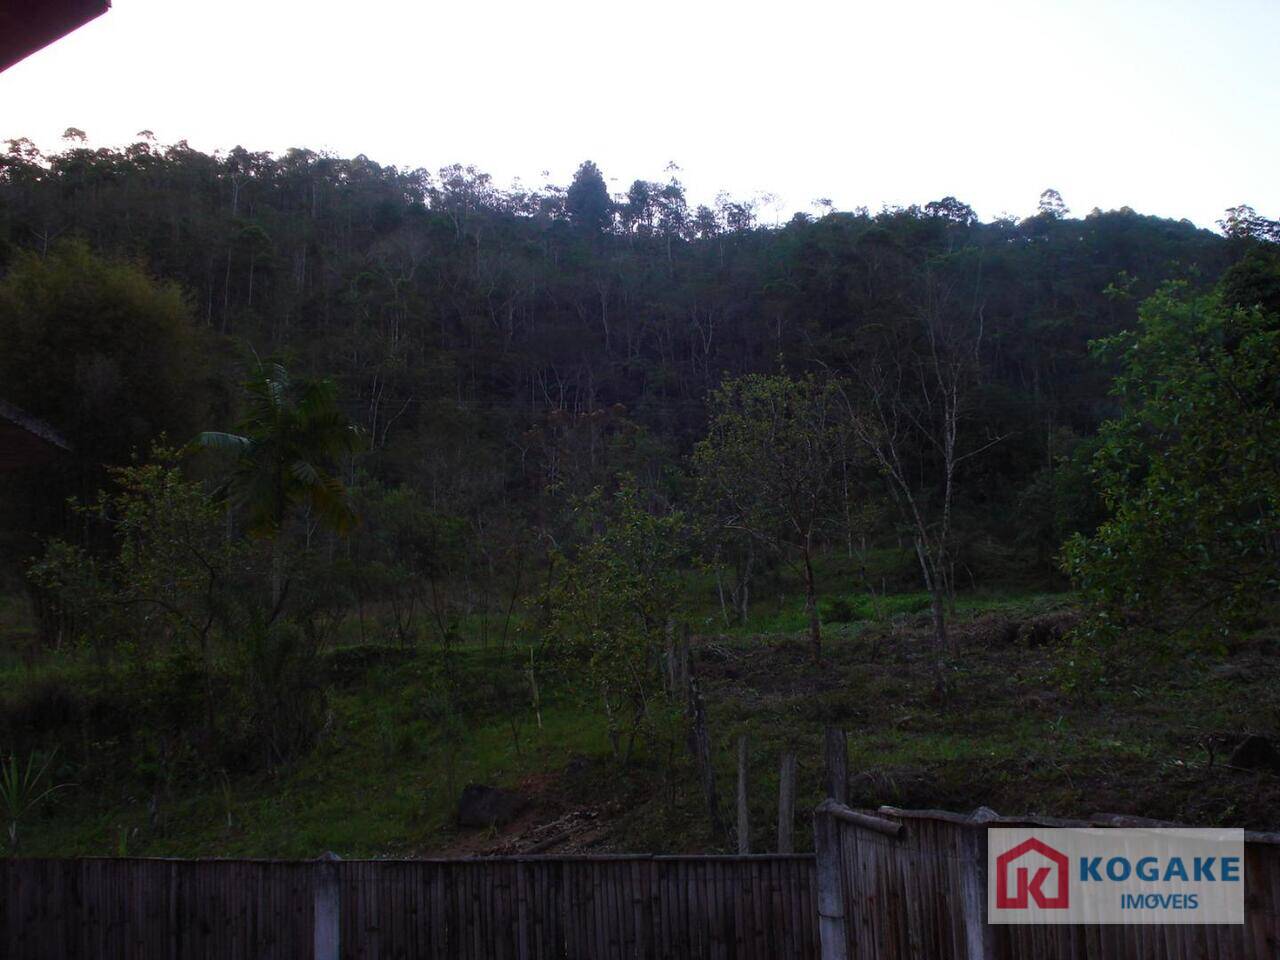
1114,875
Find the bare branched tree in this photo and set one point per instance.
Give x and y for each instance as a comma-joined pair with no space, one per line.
913,388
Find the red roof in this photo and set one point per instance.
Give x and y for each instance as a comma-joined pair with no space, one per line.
28,25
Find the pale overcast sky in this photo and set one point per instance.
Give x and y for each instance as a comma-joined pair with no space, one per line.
1167,106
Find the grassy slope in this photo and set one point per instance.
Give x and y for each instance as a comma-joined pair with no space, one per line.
1005,735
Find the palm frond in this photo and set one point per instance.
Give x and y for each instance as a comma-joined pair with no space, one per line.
218,440
291,431
304,472
329,500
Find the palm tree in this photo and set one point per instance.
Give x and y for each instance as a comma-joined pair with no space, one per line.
291,430
22,790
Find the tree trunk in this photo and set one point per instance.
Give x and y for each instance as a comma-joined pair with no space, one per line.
811,608
934,583
786,802
744,811
226,293
700,747
939,618
744,586
277,576
615,741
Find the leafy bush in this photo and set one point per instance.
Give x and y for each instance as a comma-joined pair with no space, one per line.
1190,474
200,668
612,607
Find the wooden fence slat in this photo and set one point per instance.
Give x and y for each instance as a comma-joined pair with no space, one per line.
906,885
918,889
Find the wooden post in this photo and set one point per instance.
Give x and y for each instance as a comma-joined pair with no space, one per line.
830,873
786,802
744,815
328,908
978,934
837,765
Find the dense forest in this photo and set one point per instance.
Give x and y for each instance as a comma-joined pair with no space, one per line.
316,404
541,325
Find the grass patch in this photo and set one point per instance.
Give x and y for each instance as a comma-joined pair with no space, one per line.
1003,732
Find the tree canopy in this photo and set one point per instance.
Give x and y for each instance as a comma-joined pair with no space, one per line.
1190,472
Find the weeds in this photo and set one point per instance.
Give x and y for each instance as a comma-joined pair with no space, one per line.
22,790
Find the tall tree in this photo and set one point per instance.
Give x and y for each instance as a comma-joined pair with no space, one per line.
911,402
587,199
110,358
1052,205
1243,222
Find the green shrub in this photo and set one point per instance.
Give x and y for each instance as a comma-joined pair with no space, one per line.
851,608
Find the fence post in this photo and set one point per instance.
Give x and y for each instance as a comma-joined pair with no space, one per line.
973,880
837,765
786,802
832,934
744,813
328,908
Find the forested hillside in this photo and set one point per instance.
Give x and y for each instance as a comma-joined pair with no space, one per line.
317,406
539,322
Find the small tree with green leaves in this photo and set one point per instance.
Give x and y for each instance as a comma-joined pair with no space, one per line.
769,469
172,578
1190,473
612,606
174,589
393,554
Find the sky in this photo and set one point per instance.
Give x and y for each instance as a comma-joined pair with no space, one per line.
1166,106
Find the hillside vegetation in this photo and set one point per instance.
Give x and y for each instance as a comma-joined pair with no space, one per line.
384,778
383,483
